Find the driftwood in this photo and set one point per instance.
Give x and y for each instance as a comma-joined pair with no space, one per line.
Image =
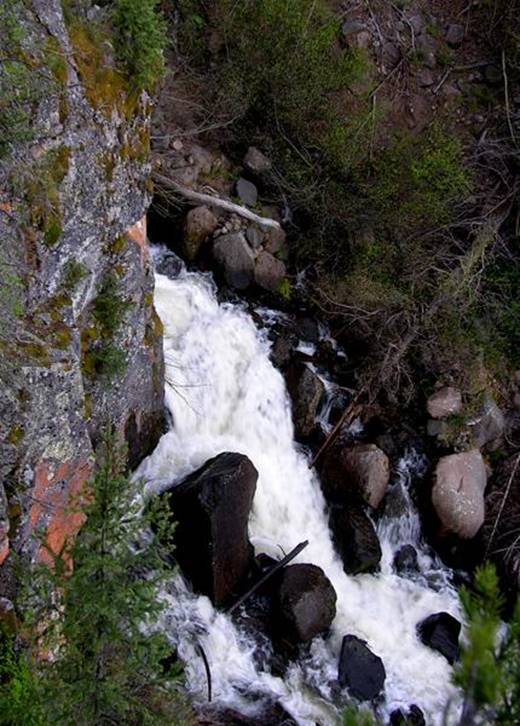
274,569
212,201
349,413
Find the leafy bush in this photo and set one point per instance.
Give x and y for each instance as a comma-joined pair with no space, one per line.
140,40
489,670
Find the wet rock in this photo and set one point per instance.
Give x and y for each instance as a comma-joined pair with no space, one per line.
441,633
305,603
355,539
283,348
211,508
458,493
361,469
256,162
269,272
454,35
306,391
360,670
308,330
445,401
170,265
267,714
255,236
489,425
235,259
405,560
247,192
414,717
200,223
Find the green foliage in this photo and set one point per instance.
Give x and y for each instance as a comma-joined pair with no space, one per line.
489,670
73,272
353,716
140,40
19,690
109,307
100,614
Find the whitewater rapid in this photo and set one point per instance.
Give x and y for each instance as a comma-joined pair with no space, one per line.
224,394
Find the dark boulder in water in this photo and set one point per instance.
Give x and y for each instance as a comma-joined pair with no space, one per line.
360,670
355,539
306,391
414,717
405,560
267,714
305,604
441,632
211,508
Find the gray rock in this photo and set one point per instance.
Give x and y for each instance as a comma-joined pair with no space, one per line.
247,192
306,603
269,272
489,425
200,223
425,78
417,23
436,428
445,401
405,560
454,35
255,236
235,260
306,391
256,162
275,241
359,469
360,670
391,54
458,493
352,27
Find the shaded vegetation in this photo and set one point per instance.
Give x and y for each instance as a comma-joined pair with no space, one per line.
97,619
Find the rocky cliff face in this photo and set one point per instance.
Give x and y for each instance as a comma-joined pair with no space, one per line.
81,343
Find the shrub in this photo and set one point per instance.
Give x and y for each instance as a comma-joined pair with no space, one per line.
107,656
140,40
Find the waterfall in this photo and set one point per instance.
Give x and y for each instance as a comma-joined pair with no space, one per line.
224,394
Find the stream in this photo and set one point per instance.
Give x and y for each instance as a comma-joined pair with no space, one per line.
224,394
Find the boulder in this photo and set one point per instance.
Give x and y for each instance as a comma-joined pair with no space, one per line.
169,264
256,162
360,670
405,560
283,348
489,425
199,224
441,633
246,192
269,272
355,539
211,508
305,604
454,35
425,78
266,714
352,27
458,493
306,391
255,236
445,401
414,717
235,259
275,241
361,469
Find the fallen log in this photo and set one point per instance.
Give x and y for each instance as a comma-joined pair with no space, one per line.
212,201
274,569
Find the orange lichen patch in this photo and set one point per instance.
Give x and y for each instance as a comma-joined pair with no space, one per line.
57,496
137,233
6,207
4,546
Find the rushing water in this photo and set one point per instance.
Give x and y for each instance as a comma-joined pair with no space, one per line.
225,395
